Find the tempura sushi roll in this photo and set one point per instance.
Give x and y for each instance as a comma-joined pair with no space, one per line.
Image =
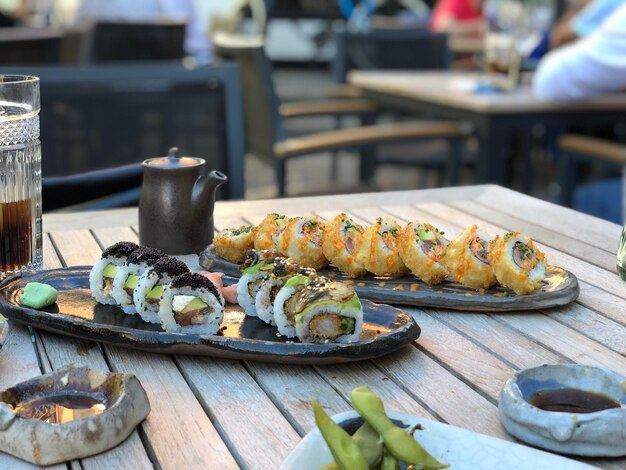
104,271
256,269
233,244
267,232
420,246
284,303
284,268
466,258
341,239
378,251
517,263
191,304
152,283
302,241
128,275
328,312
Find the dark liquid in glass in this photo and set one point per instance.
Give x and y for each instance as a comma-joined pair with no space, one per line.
61,409
572,401
16,234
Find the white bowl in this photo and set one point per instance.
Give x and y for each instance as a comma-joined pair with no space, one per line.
601,433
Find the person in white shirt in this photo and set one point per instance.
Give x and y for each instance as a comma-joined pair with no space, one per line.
590,66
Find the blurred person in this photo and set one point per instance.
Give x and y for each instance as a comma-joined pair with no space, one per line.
197,42
582,19
458,17
587,67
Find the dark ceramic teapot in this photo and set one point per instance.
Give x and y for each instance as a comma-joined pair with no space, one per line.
176,204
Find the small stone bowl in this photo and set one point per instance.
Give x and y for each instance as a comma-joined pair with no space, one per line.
596,434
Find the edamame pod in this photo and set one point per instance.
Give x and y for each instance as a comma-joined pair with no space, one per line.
389,462
346,453
396,440
371,446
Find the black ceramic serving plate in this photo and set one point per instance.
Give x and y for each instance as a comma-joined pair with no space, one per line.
559,288
77,314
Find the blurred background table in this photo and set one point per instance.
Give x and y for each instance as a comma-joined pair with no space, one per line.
213,413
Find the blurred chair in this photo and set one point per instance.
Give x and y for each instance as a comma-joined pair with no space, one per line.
101,189
603,198
111,42
19,46
264,119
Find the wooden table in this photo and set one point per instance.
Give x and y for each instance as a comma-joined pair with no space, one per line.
497,117
210,413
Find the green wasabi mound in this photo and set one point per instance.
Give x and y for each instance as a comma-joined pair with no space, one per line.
37,295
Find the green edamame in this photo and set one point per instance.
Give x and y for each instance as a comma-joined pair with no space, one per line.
397,441
371,446
346,453
389,462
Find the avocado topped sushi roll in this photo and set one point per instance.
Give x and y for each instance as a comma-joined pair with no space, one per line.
378,251
517,263
152,283
128,275
257,268
191,304
327,312
342,237
284,303
233,244
104,271
420,246
302,241
266,234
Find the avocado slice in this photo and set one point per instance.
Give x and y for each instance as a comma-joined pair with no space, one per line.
131,281
354,302
254,268
426,235
110,271
155,293
297,280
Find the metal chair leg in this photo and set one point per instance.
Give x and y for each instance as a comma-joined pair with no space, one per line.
281,177
455,149
568,174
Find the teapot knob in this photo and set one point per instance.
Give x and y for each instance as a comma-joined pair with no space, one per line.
173,152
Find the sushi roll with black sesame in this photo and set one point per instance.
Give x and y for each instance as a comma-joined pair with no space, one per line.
152,283
341,238
284,303
191,304
378,250
517,263
128,275
104,271
233,244
302,241
467,259
420,246
257,268
266,234
327,312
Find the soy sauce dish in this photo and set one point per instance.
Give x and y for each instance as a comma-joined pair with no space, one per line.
571,409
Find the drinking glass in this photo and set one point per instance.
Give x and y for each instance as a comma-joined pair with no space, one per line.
20,175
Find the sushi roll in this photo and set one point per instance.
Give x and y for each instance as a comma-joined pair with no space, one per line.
128,275
233,244
328,312
267,232
152,283
191,304
284,268
378,251
302,241
284,311
517,263
420,246
104,271
341,238
466,258
256,269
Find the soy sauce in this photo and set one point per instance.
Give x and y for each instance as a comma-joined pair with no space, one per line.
571,400
16,234
61,408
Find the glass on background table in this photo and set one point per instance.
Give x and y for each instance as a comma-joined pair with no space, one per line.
20,175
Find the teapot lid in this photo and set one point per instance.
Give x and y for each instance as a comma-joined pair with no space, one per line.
173,161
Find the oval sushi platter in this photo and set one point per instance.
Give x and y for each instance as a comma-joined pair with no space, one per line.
77,314
560,287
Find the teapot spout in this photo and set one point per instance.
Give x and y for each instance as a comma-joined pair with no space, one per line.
203,195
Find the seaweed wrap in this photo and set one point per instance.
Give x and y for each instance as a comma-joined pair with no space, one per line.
128,275
517,263
257,268
232,244
302,241
152,283
284,310
104,271
267,232
191,304
283,269
467,259
420,246
378,251
328,312
342,236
